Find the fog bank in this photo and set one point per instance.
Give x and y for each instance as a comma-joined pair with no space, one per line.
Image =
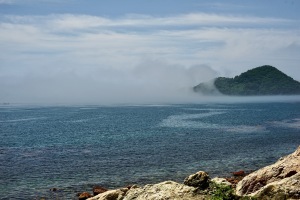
150,81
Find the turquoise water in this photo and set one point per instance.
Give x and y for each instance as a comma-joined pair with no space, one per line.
74,148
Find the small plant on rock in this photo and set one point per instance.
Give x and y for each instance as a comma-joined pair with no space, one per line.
221,192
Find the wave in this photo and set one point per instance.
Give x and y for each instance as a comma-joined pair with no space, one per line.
84,120
186,121
246,129
293,123
23,119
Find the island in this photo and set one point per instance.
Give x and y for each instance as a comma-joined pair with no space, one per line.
263,80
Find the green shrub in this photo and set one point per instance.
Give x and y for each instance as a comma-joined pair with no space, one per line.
225,192
222,192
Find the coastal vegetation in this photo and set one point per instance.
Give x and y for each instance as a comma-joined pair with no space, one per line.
264,80
222,192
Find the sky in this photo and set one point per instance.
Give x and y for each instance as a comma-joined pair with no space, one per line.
133,51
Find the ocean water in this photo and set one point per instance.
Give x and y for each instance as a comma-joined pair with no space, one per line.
74,148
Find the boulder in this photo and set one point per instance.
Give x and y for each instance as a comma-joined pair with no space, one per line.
163,191
111,195
287,188
84,196
199,180
239,173
53,189
285,168
98,190
221,181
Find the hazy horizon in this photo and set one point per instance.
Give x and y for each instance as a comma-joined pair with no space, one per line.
193,99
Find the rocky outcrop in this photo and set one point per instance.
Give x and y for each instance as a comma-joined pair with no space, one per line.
111,195
287,188
161,191
278,181
281,176
84,196
221,181
98,190
199,180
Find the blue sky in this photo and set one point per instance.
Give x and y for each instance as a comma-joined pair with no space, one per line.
95,51
263,8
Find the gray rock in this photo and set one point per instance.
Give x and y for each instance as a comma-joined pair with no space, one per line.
221,181
287,188
285,169
167,190
199,180
111,195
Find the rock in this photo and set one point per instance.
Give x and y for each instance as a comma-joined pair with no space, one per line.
161,191
111,195
285,168
221,181
199,180
287,188
131,186
164,191
53,189
98,190
234,180
84,196
239,173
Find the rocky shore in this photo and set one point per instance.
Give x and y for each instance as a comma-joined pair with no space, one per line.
280,180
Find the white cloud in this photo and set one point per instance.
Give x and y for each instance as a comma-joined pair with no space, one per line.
6,1
70,21
226,6
29,1
59,58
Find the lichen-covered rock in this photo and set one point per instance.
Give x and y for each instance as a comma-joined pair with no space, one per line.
167,190
288,188
111,195
284,168
221,181
199,180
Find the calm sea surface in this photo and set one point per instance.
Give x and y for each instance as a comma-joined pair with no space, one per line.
74,148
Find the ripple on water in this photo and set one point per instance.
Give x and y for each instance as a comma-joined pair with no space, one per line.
188,120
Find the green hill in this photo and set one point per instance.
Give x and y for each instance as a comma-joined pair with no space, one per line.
264,80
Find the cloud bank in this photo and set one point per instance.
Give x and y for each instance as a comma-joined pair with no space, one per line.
135,58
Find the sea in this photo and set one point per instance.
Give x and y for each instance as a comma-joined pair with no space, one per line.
73,148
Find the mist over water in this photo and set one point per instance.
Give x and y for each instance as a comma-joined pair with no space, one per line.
148,82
